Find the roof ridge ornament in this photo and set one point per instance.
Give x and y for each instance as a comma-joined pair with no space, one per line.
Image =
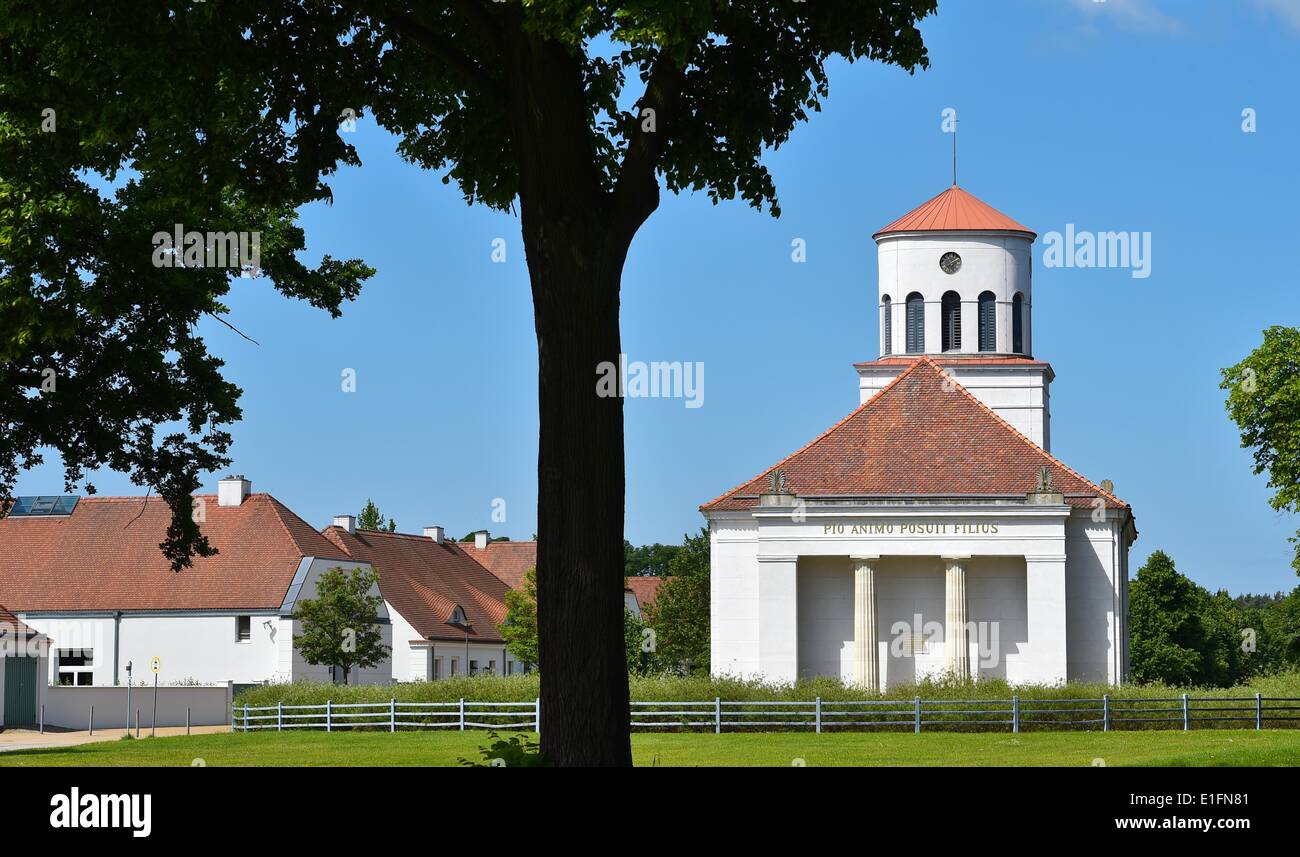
777,493
1044,494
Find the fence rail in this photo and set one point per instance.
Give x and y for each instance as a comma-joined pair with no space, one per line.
1014,714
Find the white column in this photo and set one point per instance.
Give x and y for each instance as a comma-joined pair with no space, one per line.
778,618
1045,597
866,652
957,654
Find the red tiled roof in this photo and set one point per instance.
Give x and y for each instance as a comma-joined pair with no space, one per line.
915,438
105,556
954,210
424,581
11,624
509,561
645,588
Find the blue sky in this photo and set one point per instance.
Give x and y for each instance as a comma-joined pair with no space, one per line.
1122,115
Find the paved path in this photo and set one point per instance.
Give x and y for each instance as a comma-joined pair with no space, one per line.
30,739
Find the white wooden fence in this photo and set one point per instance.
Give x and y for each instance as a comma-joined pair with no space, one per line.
1107,713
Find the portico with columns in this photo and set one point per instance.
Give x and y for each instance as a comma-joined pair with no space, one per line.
930,532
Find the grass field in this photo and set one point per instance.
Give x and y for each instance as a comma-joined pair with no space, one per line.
1209,748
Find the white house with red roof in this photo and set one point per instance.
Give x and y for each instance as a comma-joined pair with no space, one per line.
931,531
87,572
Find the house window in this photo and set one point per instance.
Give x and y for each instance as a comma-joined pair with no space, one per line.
455,666
915,323
951,309
492,668
888,326
988,322
243,629
437,668
75,667
510,667
473,667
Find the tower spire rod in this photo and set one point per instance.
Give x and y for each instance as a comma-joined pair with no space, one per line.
954,152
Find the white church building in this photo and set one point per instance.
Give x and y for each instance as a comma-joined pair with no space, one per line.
931,531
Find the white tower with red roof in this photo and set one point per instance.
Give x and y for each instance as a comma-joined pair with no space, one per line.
956,284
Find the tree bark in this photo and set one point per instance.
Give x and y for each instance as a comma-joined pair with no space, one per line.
575,279
576,237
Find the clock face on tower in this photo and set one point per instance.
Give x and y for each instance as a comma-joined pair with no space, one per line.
950,263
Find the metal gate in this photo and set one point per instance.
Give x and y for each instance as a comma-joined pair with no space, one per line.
20,691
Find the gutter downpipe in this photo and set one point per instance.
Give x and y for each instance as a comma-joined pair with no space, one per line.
117,642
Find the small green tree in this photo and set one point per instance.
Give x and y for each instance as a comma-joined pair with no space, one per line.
642,655
680,612
519,629
1264,402
340,625
373,519
1166,637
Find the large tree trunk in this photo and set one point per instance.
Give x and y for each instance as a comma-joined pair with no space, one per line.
576,236
575,279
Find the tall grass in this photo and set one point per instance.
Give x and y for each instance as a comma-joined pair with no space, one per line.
525,688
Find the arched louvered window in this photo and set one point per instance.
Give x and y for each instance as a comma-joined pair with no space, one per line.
915,323
1018,324
888,323
988,322
951,309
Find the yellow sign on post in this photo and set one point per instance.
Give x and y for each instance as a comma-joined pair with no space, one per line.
155,664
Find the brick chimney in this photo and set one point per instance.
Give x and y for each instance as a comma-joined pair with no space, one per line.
481,539
346,522
436,533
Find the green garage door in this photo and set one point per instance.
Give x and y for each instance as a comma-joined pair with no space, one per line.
20,691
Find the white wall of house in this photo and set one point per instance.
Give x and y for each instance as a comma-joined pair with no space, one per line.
195,647
440,654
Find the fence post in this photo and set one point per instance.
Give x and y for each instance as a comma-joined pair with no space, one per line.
1259,712
91,727
1187,718
279,716
1105,712
462,714
42,723
537,715
329,715
187,721
392,714
245,717
717,715
916,715
137,723
819,715
1015,713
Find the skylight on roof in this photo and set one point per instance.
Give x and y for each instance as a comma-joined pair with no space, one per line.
51,505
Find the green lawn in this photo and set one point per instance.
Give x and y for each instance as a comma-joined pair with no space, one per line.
1216,747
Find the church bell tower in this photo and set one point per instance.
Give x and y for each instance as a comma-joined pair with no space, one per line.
955,285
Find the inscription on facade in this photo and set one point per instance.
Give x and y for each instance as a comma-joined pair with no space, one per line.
913,528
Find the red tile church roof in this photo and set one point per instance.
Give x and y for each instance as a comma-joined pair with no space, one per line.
954,210
922,435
